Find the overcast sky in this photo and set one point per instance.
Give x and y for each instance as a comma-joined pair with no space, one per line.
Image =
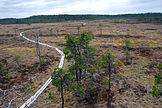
26,8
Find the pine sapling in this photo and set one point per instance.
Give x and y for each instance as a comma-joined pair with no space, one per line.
106,65
100,28
157,91
3,72
37,48
127,43
17,60
78,28
60,78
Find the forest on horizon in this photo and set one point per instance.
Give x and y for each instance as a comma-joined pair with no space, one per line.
142,18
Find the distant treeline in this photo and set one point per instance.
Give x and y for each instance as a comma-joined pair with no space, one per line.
157,20
145,18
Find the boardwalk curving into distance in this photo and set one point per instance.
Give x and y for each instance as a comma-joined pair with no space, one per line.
35,96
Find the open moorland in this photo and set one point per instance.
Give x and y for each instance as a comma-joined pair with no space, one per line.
131,85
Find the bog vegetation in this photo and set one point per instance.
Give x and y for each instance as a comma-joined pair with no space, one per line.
92,75
80,76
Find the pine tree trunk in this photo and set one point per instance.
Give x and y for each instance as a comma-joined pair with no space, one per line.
109,91
80,70
127,53
77,75
76,71
76,68
38,49
80,74
62,95
101,31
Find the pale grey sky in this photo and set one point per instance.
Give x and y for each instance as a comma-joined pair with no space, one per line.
26,8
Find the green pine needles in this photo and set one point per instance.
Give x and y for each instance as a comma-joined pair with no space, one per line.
59,79
76,49
127,43
156,90
3,72
17,59
106,64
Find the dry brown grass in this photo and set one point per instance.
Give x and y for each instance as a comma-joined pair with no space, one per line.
141,35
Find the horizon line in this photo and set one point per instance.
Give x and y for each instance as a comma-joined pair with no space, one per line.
80,14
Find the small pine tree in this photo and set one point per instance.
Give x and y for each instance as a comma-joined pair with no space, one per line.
50,95
15,30
57,30
100,27
17,60
60,78
38,48
70,52
157,91
106,64
78,28
127,43
51,30
42,62
3,72
77,49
